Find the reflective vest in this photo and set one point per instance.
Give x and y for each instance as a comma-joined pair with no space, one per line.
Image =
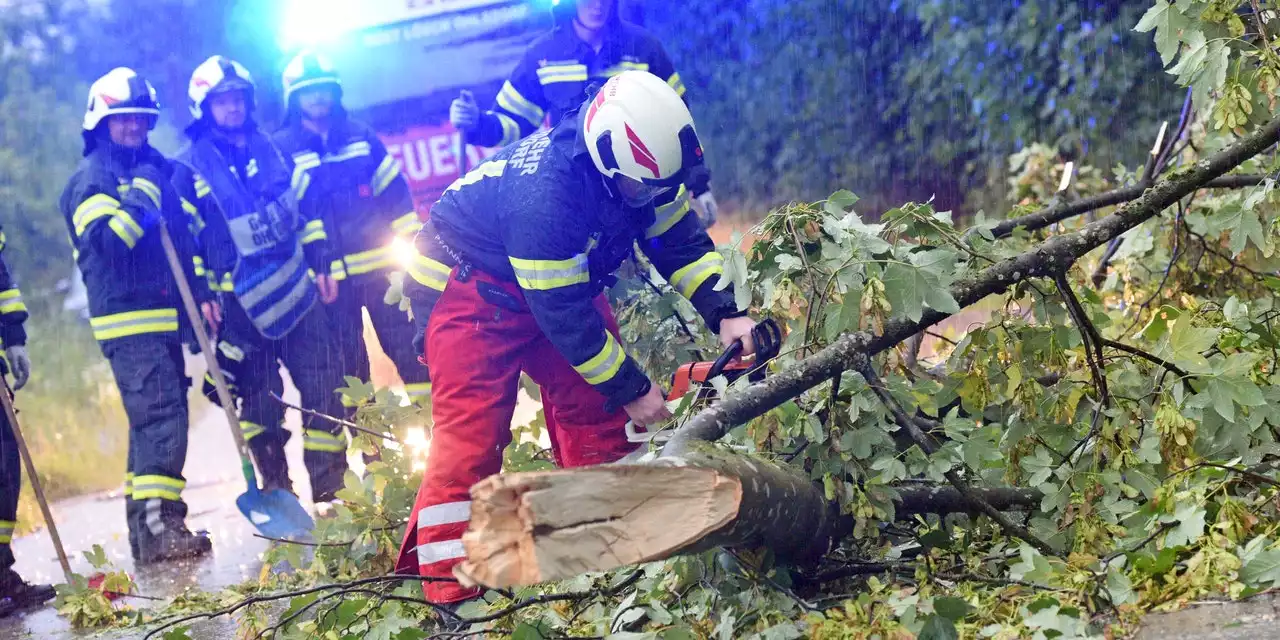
253,230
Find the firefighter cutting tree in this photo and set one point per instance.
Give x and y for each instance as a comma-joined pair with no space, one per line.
342,164
259,248
113,205
509,277
589,44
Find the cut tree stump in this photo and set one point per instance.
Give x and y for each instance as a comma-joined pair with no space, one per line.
528,528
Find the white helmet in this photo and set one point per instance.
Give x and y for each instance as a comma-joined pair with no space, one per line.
122,90
309,69
216,75
639,127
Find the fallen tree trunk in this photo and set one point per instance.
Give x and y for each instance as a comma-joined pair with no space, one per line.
528,528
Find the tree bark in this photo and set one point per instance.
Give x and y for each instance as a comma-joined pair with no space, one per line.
536,527
528,528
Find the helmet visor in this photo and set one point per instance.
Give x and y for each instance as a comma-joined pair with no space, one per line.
638,194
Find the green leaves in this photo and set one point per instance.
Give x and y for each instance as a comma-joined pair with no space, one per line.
1262,570
924,280
1190,518
1186,344
1168,22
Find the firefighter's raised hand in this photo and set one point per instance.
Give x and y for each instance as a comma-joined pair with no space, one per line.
649,409
738,329
464,113
328,288
212,312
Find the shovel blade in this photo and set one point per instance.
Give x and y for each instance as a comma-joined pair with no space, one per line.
276,513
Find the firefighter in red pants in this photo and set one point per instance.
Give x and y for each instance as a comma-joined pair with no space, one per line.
510,272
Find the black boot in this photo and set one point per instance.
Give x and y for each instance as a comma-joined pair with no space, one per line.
17,595
268,452
176,542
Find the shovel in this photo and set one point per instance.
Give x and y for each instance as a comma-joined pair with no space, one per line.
276,513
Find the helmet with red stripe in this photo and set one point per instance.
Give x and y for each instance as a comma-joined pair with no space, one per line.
638,127
216,75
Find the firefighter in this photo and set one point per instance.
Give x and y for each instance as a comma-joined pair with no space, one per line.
589,44
525,243
113,205
259,251
343,163
15,593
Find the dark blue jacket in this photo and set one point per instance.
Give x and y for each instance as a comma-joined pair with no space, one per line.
358,189
538,213
126,274
13,311
553,77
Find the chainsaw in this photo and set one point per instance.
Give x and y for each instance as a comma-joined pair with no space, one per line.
766,335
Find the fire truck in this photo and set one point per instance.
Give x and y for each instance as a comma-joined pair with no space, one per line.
403,61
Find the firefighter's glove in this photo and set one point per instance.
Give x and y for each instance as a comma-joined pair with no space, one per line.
464,113
707,209
19,364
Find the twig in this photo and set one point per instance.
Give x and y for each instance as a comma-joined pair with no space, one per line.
1138,547
1256,477
1154,359
928,445
999,582
675,313
258,599
1178,224
346,423
1093,354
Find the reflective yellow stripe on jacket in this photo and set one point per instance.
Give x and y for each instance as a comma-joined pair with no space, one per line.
604,365
511,100
428,272
552,74
132,323
667,215
104,206
313,231
355,264
541,275
676,83
386,172
688,278
11,301
406,224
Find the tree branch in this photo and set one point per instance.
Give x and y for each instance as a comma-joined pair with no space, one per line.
1053,215
346,423
928,445
1049,257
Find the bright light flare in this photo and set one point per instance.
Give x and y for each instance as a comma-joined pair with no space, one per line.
309,23
417,443
403,252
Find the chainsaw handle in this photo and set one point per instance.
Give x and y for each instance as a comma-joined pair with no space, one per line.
730,354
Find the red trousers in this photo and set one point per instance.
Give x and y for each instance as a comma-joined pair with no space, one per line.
477,351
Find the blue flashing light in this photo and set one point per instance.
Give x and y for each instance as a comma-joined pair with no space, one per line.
309,23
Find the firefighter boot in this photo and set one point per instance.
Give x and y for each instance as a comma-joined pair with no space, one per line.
17,595
176,542
268,452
